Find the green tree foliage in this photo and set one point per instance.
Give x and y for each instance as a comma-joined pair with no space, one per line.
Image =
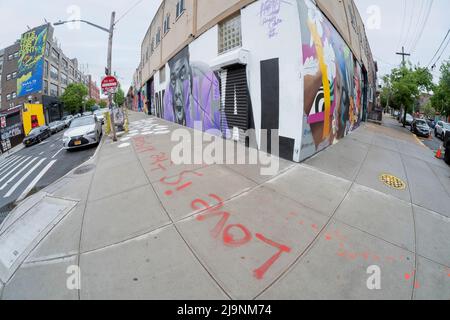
441,98
102,104
429,111
119,97
73,97
90,104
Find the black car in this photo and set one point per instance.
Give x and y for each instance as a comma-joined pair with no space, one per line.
37,135
447,147
420,127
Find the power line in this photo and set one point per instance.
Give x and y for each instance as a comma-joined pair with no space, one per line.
403,22
448,42
410,23
416,25
420,33
437,51
128,11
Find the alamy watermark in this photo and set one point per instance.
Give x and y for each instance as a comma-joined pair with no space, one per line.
195,147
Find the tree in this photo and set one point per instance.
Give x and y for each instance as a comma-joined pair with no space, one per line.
102,104
90,104
441,98
429,111
406,84
73,97
119,97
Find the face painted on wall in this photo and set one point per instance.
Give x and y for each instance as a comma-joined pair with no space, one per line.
180,85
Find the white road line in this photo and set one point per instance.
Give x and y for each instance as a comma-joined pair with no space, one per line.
17,174
41,153
10,192
7,161
36,180
14,169
13,166
57,153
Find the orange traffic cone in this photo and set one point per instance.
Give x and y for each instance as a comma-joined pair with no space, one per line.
439,153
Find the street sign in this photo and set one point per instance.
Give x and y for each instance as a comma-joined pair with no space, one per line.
109,84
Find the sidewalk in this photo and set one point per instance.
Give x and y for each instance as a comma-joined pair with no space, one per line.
11,151
140,231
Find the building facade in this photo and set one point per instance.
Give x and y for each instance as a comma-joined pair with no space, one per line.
94,91
33,70
301,67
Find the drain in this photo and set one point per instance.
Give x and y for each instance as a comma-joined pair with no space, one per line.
84,169
393,182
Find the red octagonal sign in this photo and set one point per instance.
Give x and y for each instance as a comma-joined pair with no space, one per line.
109,84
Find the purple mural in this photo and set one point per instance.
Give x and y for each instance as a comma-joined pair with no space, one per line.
193,94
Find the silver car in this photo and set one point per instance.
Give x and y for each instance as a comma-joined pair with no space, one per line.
57,126
82,132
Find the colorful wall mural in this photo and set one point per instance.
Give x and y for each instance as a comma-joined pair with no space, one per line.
332,82
31,61
192,94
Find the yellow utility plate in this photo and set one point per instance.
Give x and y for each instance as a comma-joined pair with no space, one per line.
393,182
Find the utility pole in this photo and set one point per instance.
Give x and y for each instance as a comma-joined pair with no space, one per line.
109,71
110,31
403,54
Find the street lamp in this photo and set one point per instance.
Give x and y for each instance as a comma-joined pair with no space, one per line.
110,31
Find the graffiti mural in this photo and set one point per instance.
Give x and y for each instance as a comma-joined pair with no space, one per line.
332,82
192,94
270,15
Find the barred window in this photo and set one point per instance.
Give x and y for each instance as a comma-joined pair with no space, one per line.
180,7
230,35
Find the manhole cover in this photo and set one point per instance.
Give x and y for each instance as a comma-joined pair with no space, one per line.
84,169
393,182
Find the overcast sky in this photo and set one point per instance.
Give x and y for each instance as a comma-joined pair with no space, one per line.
89,45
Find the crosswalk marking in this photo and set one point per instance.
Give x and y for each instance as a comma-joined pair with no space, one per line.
11,191
17,174
6,161
10,163
36,180
9,166
14,169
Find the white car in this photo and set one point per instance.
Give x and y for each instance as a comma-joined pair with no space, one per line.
67,120
82,132
100,114
440,129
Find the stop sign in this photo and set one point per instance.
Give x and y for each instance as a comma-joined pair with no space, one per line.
110,84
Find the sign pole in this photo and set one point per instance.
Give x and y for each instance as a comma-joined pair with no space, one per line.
110,96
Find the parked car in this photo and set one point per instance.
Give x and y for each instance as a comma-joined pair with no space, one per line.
56,126
420,127
447,147
431,123
409,119
87,113
37,135
100,114
83,131
440,129
68,120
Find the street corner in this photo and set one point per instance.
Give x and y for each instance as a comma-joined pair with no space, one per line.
347,263
248,242
157,265
50,280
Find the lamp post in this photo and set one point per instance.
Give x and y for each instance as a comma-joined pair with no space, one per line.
110,31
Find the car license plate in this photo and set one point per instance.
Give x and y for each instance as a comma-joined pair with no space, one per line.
77,143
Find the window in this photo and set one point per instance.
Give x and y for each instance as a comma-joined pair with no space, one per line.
46,68
54,72
64,78
72,72
65,63
53,90
8,97
8,77
14,95
180,8
47,49
166,24
16,54
10,57
14,75
55,54
158,36
230,35
153,46
46,87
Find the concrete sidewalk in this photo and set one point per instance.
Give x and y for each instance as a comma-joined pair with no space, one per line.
141,228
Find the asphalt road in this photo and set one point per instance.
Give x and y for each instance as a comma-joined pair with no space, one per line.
433,143
34,168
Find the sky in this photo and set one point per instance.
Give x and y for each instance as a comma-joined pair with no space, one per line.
89,45
401,23
389,23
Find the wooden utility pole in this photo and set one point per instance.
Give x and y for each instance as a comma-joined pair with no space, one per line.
403,54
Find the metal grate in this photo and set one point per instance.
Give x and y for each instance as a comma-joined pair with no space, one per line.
393,182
